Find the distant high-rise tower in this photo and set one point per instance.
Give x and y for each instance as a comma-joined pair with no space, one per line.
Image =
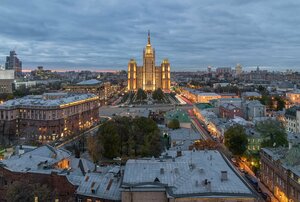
209,69
238,69
13,62
149,77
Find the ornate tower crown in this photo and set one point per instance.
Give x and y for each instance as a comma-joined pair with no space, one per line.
149,49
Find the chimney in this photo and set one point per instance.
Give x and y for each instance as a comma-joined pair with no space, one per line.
224,176
176,170
162,171
201,170
192,166
208,186
290,145
179,153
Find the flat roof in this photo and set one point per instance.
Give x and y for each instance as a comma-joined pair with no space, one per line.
41,101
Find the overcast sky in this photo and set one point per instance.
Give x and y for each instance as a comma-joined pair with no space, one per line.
105,34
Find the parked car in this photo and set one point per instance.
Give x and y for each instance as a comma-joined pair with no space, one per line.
266,197
258,190
252,180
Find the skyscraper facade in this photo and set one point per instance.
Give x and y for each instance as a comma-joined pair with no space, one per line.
149,77
13,62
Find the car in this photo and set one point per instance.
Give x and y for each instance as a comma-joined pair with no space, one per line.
233,160
117,159
252,180
258,190
265,196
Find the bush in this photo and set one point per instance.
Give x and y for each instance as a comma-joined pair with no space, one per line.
174,124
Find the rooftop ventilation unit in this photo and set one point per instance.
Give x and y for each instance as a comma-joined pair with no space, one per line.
224,176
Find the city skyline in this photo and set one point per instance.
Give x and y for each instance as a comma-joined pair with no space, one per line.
98,35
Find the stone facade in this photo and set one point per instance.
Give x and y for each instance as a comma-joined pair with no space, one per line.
280,174
149,77
48,122
103,90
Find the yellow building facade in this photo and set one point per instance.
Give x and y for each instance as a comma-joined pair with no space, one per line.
149,77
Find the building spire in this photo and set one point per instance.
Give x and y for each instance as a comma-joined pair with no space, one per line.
148,36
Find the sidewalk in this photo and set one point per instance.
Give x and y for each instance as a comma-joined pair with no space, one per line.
263,188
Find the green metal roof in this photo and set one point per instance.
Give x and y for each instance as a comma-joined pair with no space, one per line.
202,106
179,114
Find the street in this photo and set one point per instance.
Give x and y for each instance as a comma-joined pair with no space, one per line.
222,149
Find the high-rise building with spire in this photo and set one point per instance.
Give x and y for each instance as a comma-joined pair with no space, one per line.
149,77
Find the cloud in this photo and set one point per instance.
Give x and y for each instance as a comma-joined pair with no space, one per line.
192,34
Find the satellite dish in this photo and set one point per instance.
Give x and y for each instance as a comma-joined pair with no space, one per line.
274,144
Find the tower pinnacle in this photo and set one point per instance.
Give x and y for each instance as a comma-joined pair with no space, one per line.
148,36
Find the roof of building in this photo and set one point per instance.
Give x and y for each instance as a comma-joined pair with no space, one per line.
202,106
254,103
230,100
179,114
39,160
101,182
89,82
297,91
241,121
289,158
183,138
209,94
136,112
195,173
292,111
201,93
104,185
252,133
286,84
183,134
251,94
229,106
42,101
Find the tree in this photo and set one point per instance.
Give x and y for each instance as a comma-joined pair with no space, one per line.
127,137
262,90
280,103
174,124
109,139
141,95
158,94
236,140
21,191
273,133
95,149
